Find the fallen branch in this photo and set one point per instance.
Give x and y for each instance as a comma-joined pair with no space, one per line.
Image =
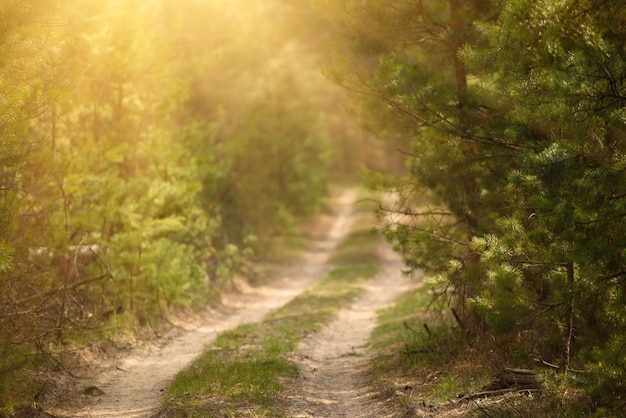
516,379
491,393
542,363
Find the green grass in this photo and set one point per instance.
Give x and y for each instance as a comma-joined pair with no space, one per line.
413,332
246,368
360,245
440,364
396,323
425,358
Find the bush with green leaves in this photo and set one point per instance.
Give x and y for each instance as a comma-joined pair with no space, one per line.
515,114
144,156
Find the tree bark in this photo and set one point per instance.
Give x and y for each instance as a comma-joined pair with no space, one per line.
569,317
512,378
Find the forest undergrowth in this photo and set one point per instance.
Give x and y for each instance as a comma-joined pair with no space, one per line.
426,363
150,150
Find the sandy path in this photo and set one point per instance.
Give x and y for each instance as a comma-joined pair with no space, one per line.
134,386
332,362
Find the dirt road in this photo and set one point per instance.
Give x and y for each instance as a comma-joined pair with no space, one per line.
330,361
133,385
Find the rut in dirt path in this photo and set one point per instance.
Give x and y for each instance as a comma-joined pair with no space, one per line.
134,385
333,362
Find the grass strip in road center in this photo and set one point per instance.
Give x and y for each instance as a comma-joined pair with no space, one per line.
243,372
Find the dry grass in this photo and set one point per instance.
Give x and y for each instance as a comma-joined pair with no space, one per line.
429,372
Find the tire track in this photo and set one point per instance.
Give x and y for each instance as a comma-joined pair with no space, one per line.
134,384
333,362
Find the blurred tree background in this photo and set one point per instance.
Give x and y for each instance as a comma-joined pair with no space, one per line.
148,150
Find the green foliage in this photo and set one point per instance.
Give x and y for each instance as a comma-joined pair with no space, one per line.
145,155
606,367
563,193
33,79
247,366
139,200
12,373
271,146
517,134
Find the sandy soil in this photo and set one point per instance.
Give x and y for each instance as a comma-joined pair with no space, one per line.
134,383
332,362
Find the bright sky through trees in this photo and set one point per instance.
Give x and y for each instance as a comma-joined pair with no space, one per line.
148,150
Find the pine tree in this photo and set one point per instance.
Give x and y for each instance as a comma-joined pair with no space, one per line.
515,113
562,65
33,46
419,88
